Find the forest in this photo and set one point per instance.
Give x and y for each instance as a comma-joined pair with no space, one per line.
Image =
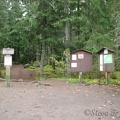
48,30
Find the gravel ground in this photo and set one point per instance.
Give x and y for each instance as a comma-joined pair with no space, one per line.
58,100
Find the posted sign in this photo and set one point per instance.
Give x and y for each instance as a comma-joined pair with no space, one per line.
8,60
80,56
81,61
108,58
8,51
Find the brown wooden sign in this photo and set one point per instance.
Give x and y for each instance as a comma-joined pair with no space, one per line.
81,61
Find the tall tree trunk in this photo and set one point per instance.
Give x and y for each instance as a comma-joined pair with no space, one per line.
49,53
117,34
78,26
67,36
67,32
37,52
67,60
0,57
42,60
43,49
17,55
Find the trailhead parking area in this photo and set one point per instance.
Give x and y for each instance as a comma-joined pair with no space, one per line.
58,100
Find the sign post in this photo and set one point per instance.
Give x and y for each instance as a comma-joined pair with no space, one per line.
7,76
8,63
80,77
107,60
107,77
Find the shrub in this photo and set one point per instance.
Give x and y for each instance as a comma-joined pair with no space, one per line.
2,72
26,65
32,67
49,71
36,63
117,64
74,74
48,68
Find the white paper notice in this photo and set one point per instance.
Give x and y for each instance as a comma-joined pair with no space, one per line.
73,64
105,51
80,56
101,59
101,67
8,60
74,57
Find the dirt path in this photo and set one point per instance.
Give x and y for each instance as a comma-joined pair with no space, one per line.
56,100
19,72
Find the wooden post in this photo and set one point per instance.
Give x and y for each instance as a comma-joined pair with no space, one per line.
107,77
8,76
80,77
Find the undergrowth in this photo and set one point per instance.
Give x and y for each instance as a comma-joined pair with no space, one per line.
94,77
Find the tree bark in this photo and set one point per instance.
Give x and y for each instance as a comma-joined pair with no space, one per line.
67,36
42,60
49,53
117,34
37,52
78,26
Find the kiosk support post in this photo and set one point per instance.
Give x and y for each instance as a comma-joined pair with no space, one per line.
107,77
80,77
7,76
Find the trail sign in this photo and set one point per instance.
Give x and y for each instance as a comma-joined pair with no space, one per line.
106,61
108,58
8,51
81,61
8,63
